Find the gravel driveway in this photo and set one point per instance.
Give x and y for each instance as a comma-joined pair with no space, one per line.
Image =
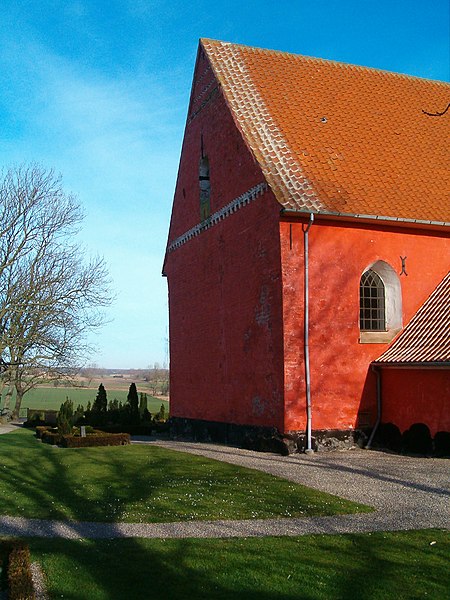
412,491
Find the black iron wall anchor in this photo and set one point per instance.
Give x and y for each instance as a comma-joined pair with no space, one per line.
403,271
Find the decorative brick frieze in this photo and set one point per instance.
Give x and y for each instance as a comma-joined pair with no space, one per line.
208,91
220,215
207,100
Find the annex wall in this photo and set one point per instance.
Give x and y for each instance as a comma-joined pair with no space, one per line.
416,396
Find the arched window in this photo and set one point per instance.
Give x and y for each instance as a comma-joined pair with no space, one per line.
205,188
372,315
380,303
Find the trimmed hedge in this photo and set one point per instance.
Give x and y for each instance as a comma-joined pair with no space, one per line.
20,582
51,437
104,439
94,438
40,430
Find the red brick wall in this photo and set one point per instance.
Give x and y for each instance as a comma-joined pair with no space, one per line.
341,385
226,338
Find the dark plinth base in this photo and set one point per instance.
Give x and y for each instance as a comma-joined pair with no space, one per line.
263,439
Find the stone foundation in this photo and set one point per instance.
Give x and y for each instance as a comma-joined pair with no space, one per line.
263,439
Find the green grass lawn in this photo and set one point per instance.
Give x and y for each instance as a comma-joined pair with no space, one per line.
375,566
150,484
143,484
51,398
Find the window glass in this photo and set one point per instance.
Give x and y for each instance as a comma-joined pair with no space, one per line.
372,313
205,189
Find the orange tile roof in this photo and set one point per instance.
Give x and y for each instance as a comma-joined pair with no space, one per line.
426,338
338,138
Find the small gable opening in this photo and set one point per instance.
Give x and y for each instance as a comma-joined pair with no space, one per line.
205,189
380,304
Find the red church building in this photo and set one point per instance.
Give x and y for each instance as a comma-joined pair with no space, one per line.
309,226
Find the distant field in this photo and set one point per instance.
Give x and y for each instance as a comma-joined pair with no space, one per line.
51,398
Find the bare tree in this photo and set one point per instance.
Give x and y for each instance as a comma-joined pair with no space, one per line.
51,296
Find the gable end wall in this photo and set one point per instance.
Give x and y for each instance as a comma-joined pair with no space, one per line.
226,338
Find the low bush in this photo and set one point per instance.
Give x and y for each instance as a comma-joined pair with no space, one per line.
51,437
40,430
142,429
388,436
35,423
94,437
105,439
88,430
417,439
161,427
20,582
442,443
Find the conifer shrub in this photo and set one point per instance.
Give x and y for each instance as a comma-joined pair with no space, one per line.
132,405
101,400
143,406
146,416
131,417
78,415
160,416
65,418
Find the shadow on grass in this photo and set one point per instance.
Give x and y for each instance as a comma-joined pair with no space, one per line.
40,481
143,484
56,484
392,565
138,569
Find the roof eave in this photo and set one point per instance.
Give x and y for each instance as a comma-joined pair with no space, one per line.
412,365
367,218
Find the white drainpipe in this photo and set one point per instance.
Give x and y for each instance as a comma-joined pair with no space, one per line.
308,449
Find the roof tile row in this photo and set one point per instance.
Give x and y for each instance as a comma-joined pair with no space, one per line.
338,138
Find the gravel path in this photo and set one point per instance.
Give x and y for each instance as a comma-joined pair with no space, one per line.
407,493
8,427
409,487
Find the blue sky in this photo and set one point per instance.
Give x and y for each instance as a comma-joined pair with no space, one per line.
98,90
